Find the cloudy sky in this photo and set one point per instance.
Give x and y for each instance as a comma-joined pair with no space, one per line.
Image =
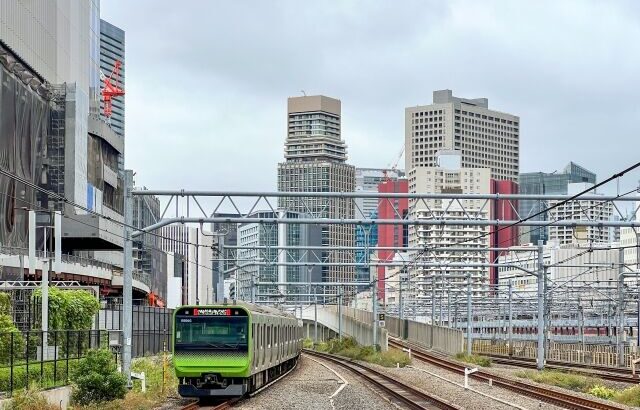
207,81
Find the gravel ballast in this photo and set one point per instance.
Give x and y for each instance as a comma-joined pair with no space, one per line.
459,396
309,387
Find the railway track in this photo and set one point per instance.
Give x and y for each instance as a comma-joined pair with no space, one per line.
198,405
603,372
565,400
398,392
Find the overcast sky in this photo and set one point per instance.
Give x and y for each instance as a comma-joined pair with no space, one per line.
207,81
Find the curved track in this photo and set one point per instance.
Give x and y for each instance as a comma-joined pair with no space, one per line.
398,392
565,400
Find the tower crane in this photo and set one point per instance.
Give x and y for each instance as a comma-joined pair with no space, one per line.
109,89
394,165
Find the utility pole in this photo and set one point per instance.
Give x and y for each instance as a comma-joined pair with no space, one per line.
45,299
252,290
433,302
340,312
374,308
469,316
315,319
620,331
127,280
510,319
541,280
449,308
197,266
581,324
220,276
433,309
400,307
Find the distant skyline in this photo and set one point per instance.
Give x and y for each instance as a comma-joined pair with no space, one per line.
207,82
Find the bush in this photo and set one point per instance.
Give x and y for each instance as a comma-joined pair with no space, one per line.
97,379
5,304
630,396
7,330
307,344
28,399
482,361
349,347
602,392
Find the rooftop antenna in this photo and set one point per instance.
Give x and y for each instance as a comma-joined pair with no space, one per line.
303,93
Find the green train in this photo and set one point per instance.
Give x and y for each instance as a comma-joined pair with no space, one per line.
231,350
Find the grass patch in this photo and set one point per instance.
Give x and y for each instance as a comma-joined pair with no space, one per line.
28,399
43,375
482,361
565,380
585,384
348,347
630,396
307,343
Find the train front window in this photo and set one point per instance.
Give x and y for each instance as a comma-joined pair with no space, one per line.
211,332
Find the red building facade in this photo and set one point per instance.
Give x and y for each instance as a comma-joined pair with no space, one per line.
502,210
391,235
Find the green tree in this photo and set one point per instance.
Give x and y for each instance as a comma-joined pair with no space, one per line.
5,303
7,331
97,379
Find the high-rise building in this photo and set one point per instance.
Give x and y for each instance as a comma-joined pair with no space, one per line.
591,210
270,236
391,235
228,232
367,180
450,179
570,275
315,161
543,183
485,138
60,67
112,50
149,260
192,250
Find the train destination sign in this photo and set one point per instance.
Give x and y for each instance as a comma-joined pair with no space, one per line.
211,311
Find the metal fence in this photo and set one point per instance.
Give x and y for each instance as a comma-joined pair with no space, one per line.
152,327
46,360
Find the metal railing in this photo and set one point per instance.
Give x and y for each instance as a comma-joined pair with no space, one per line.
24,362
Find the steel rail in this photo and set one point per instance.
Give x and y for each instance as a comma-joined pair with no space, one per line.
565,400
198,405
411,397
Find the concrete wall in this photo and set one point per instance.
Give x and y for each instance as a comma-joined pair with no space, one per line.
58,397
361,331
439,338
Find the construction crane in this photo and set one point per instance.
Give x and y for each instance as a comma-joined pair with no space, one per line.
394,165
109,89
